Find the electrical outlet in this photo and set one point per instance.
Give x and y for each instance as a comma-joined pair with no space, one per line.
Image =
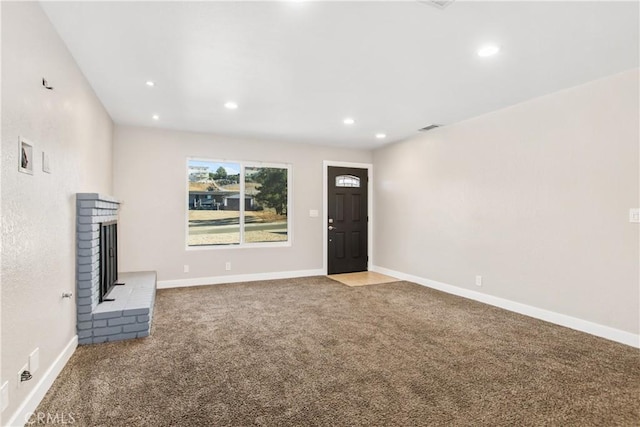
227,266
186,268
24,368
34,360
478,280
634,215
4,396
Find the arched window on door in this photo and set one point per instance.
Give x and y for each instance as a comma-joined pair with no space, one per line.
347,181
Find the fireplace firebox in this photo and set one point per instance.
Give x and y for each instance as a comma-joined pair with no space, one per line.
108,258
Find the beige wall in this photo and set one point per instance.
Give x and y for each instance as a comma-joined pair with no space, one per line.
150,179
38,212
535,198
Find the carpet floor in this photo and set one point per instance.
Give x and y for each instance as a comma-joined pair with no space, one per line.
313,352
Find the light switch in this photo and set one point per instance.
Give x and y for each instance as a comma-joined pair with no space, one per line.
46,167
313,213
634,215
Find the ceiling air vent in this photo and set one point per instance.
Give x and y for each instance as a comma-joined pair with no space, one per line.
440,4
429,127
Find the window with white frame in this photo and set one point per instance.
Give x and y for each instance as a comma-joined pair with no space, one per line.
238,203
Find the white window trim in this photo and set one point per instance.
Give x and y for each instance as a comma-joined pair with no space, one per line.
242,245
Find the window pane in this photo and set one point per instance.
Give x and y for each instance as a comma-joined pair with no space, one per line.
347,181
214,203
265,205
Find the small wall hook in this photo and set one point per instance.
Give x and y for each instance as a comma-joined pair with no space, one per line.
67,294
46,85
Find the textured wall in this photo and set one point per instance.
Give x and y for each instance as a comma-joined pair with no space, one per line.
535,198
38,211
150,180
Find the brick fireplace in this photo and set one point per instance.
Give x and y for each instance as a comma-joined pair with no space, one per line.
129,311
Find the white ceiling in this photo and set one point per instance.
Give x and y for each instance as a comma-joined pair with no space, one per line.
298,68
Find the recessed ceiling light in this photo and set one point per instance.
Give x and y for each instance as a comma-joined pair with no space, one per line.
381,135
488,50
155,117
231,106
348,121
150,83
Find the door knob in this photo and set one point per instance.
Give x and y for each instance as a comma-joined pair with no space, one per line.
331,227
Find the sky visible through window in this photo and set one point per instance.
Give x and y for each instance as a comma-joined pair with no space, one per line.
213,166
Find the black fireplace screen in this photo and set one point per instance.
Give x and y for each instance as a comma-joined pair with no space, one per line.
108,257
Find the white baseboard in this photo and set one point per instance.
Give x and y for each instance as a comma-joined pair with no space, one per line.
581,325
216,280
33,399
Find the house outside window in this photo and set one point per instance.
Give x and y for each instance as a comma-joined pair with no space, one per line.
238,204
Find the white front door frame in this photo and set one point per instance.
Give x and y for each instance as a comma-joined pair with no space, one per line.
325,208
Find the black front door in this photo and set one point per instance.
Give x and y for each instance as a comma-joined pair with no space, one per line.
348,220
